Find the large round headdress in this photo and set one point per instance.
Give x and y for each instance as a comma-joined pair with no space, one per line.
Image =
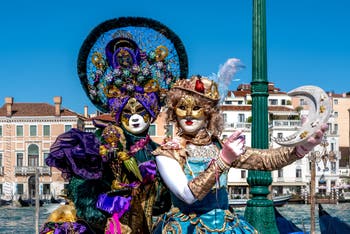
130,57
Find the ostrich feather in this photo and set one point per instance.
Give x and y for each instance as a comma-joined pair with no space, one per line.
225,75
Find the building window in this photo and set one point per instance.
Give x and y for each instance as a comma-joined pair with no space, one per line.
228,102
329,127
241,118
298,173
335,101
0,130
19,130
20,189
280,173
33,155
19,159
1,192
333,167
273,102
0,159
335,114
32,130
283,102
45,157
335,129
240,102
46,130
152,130
46,189
243,174
224,115
302,102
169,130
67,127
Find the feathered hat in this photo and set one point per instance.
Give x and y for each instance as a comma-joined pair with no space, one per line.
213,86
130,57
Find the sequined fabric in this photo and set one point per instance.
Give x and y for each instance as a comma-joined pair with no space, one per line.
269,160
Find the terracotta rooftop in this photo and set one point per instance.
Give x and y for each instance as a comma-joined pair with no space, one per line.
244,90
104,118
35,109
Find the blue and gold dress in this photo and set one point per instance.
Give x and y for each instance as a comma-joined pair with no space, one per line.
209,214
208,183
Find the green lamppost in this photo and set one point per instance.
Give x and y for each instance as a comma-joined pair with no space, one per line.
259,211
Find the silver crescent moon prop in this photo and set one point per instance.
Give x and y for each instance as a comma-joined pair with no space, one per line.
319,111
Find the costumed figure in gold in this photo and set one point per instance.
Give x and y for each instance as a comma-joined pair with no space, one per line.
125,65
194,165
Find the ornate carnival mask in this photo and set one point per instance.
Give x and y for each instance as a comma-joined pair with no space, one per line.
130,58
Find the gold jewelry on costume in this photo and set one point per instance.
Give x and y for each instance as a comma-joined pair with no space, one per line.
222,165
161,53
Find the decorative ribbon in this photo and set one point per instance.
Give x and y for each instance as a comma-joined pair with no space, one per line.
113,225
115,204
148,171
140,144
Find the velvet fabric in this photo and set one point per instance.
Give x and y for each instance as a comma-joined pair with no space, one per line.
64,228
76,153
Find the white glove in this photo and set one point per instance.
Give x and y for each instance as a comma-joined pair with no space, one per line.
233,147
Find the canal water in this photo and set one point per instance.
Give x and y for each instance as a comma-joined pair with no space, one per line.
22,220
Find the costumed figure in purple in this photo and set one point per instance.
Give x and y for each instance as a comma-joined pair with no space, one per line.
125,65
194,165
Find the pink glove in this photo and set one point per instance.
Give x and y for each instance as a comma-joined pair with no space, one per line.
233,147
315,139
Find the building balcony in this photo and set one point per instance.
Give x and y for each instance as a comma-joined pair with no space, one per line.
237,125
286,124
242,125
298,179
1,171
24,171
229,125
280,179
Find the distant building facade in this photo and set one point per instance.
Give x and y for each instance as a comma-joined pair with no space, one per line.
27,130
284,119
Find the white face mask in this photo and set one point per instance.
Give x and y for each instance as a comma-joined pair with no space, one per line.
136,124
135,118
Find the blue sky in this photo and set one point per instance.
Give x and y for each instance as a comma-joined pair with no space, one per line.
307,42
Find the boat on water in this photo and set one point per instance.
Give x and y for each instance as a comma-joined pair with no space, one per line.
29,202
285,226
4,202
277,201
330,224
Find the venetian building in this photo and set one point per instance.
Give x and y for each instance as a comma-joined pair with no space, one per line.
282,118
27,130
333,171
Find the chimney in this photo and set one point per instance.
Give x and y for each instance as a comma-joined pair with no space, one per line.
58,101
86,115
8,102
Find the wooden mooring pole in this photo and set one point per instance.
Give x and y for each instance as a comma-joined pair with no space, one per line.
37,201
